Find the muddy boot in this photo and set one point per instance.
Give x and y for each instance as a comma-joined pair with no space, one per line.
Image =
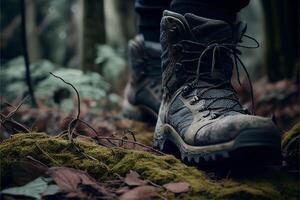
200,112
143,91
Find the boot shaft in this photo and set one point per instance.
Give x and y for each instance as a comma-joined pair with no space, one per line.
144,58
193,45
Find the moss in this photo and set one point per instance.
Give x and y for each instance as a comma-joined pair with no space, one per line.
101,162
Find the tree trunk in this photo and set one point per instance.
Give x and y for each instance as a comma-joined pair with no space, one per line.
93,32
282,38
34,49
120,16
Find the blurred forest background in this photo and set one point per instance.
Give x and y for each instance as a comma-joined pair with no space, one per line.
85,42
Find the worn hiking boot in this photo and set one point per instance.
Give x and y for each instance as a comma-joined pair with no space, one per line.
143,91
200,113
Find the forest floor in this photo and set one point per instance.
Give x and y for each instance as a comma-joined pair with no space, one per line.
88,154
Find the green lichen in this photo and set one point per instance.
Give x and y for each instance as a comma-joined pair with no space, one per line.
101,162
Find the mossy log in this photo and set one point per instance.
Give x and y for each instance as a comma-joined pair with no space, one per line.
55,151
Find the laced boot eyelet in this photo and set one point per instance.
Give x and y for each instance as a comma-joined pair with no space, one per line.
194,100
246,111
178,48
214,115
186,89
173,29
205,113
201,108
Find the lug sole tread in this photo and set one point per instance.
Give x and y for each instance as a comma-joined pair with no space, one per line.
247,147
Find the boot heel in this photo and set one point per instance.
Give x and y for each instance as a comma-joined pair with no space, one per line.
159,138
138,113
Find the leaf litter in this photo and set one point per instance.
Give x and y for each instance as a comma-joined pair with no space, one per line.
74,183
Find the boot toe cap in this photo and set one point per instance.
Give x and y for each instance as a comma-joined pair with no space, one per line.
228,128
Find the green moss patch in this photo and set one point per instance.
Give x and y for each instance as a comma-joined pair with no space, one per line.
101,162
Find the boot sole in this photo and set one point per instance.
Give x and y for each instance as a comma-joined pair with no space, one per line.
253,146
139,113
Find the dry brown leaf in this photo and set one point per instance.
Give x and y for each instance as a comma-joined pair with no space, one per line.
132,179
72,182
145,192
23,172
179,187
66,179
122,190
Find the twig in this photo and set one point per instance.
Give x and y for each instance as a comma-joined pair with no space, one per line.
37,161
8,104
95,139
153,184
118,175
89,126
162,197
80,150
44,152
128,141
131,133
7,122
77,93
15,126
16,108
71,129
111,142
94,130
63,133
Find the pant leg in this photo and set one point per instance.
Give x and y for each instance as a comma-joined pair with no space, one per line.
150,13
215,9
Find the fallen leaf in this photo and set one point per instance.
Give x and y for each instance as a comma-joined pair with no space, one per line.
179,187
22,172
132,179
66,179
122,190
145,192
35,189
76,183
51,190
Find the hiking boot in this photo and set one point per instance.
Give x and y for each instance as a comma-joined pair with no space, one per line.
143,91
200,112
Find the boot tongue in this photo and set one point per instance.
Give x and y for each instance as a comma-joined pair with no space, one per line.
208,30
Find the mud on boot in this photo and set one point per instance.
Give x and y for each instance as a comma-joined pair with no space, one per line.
200,112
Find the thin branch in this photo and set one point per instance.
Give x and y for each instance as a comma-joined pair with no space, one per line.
7,122
47,155
13,125
74,121
131,133
77,93
89,126
37,161
16,108
80,150
72,128
132,142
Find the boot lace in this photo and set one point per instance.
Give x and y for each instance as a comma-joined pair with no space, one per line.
234,53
